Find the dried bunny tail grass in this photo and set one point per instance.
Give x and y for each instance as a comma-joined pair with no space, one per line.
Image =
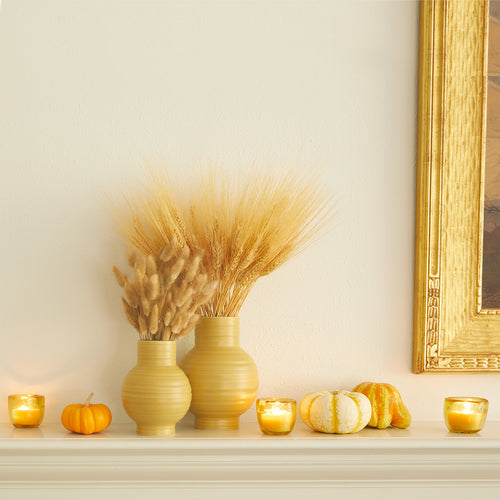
150,265
132,294
188,328
167,318
169,252
131,314
192,267
153,320
169,304
143,325
183,295
140,267
179,322
152,287
131,257
161,304
161,301
145,306
185,252
173,272
199,282
121,279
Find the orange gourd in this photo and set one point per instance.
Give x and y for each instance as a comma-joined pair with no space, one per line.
387,405
87,418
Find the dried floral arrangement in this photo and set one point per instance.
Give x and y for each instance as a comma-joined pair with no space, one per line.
242,227
163,300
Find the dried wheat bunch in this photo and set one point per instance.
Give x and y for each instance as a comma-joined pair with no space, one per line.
163,300
245,227
155,218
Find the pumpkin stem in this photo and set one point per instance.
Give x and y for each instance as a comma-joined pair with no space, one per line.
87,403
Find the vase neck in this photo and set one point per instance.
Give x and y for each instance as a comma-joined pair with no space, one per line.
157,352
218,331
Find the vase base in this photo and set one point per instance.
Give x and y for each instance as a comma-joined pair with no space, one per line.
217,423
156,430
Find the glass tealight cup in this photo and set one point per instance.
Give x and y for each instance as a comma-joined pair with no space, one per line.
26,410
466,415
276,416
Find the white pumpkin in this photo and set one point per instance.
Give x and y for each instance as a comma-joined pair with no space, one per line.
335,412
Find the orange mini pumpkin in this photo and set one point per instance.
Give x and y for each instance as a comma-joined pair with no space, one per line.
86,418
387,405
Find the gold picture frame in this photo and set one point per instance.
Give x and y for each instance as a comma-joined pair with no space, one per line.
452,331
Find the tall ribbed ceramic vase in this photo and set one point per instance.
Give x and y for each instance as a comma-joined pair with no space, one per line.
156,393
223,376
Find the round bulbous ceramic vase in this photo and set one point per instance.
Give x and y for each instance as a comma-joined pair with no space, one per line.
223,377
156,393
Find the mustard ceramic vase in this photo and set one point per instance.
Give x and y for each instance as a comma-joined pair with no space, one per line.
223,376
156,393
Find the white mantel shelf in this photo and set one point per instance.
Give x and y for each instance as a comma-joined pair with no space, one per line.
211,464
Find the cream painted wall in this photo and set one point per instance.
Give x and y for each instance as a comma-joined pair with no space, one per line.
91,90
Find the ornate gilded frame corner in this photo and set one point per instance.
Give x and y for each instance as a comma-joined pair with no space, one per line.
452,332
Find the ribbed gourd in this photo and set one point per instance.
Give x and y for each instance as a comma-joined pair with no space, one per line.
335,412
387,405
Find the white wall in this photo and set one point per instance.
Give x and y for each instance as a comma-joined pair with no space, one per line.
92,89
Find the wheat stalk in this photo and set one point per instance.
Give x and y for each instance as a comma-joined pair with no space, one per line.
244,227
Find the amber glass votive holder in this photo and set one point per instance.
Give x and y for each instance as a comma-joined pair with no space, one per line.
466,415
276,416
26,410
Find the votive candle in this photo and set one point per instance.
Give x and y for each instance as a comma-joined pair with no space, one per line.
26,410
466,415
276,416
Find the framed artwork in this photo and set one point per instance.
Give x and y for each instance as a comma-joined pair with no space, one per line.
457,264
